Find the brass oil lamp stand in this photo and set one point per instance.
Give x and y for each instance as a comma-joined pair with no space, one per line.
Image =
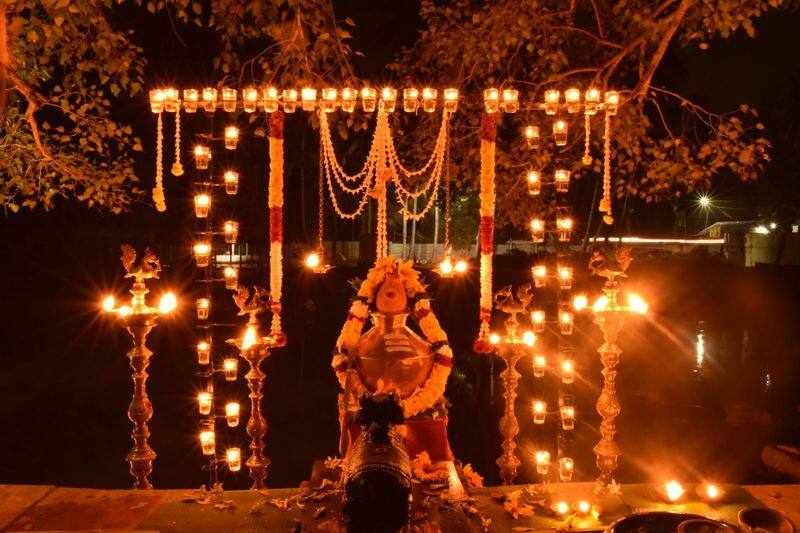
254,348
139,320
511,347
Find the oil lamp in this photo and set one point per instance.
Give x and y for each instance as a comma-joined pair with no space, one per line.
202,157
491,100
710,492
369,99
565,468
410,100
538,319
202,254
330,97
270,99
232,414
446,267
561,509
231,276
539,273
537,230
172,100
564,228
231,231
230,367
209,99
532,136
233,457
203,352
231,180
534,182
510,100
203,305
229,99
565,278
202,204
584,508
567,417
572,97
551,101
231,137
539,412
672,491
612,102
349,96
429,96
190,100
289,100
313,262
560,132
542,458
461,266
139,319
591,99
450,100
539,365
208,442
389,99
580,302
204,401
249,99
567,371
157,98
562,180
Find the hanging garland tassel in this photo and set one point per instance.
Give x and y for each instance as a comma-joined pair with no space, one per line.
487,196
275,200
605,202
158,190
177,168
587,157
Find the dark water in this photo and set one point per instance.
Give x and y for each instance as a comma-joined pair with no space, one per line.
65,381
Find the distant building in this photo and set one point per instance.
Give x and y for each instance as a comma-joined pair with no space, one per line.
749,242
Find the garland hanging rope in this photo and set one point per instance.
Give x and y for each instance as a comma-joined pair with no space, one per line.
432,390
487,197
382,166
605,202
158,190
275,201
177,167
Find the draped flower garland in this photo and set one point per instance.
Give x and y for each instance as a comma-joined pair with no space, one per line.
487,197
605,202
158,190
432,390
275,201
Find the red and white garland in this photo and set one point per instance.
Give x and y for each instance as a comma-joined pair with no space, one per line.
605,202
432,390
487,196
275,201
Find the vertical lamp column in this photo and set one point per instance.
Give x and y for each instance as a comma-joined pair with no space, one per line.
139,319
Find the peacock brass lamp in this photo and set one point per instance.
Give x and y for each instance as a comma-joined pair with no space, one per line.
511,347
139,318
254,348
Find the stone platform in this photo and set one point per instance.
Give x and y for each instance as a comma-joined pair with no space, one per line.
49,508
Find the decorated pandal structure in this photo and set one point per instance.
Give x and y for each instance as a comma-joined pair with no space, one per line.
396,470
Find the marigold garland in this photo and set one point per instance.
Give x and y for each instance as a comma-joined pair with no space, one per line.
432,390
605,202
158,190
487,197
275,201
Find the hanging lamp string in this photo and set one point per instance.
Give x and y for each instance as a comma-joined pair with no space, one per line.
158,190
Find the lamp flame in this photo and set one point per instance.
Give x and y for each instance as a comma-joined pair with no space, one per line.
108,303
168,303
249,338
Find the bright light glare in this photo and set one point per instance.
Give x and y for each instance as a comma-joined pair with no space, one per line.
494,338
108,303
529,338
674,490
763,230
313,260
704,201
461,266
124,310
168,303
446,266
249,338
600,304
580,302
637,304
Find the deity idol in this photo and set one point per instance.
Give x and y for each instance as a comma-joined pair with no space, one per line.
392,357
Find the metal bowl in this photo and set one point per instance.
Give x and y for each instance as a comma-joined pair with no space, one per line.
705,525
765,520
651,522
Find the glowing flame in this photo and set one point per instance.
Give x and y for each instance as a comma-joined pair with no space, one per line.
584,507
446,266
637,304
529,338
124,310
580,302
601,304
561,508
461,266
673,490
494,338
313,260
108,303
249,338
168,303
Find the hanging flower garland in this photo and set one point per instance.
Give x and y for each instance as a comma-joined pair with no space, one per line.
432,390
158,190
587,138
177,167
487,197
605,202
275,201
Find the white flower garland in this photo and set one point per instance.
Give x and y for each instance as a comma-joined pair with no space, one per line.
605,202
432,390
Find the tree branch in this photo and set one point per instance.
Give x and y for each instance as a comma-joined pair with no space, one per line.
655,61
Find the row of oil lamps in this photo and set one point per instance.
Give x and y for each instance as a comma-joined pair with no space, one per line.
270,99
